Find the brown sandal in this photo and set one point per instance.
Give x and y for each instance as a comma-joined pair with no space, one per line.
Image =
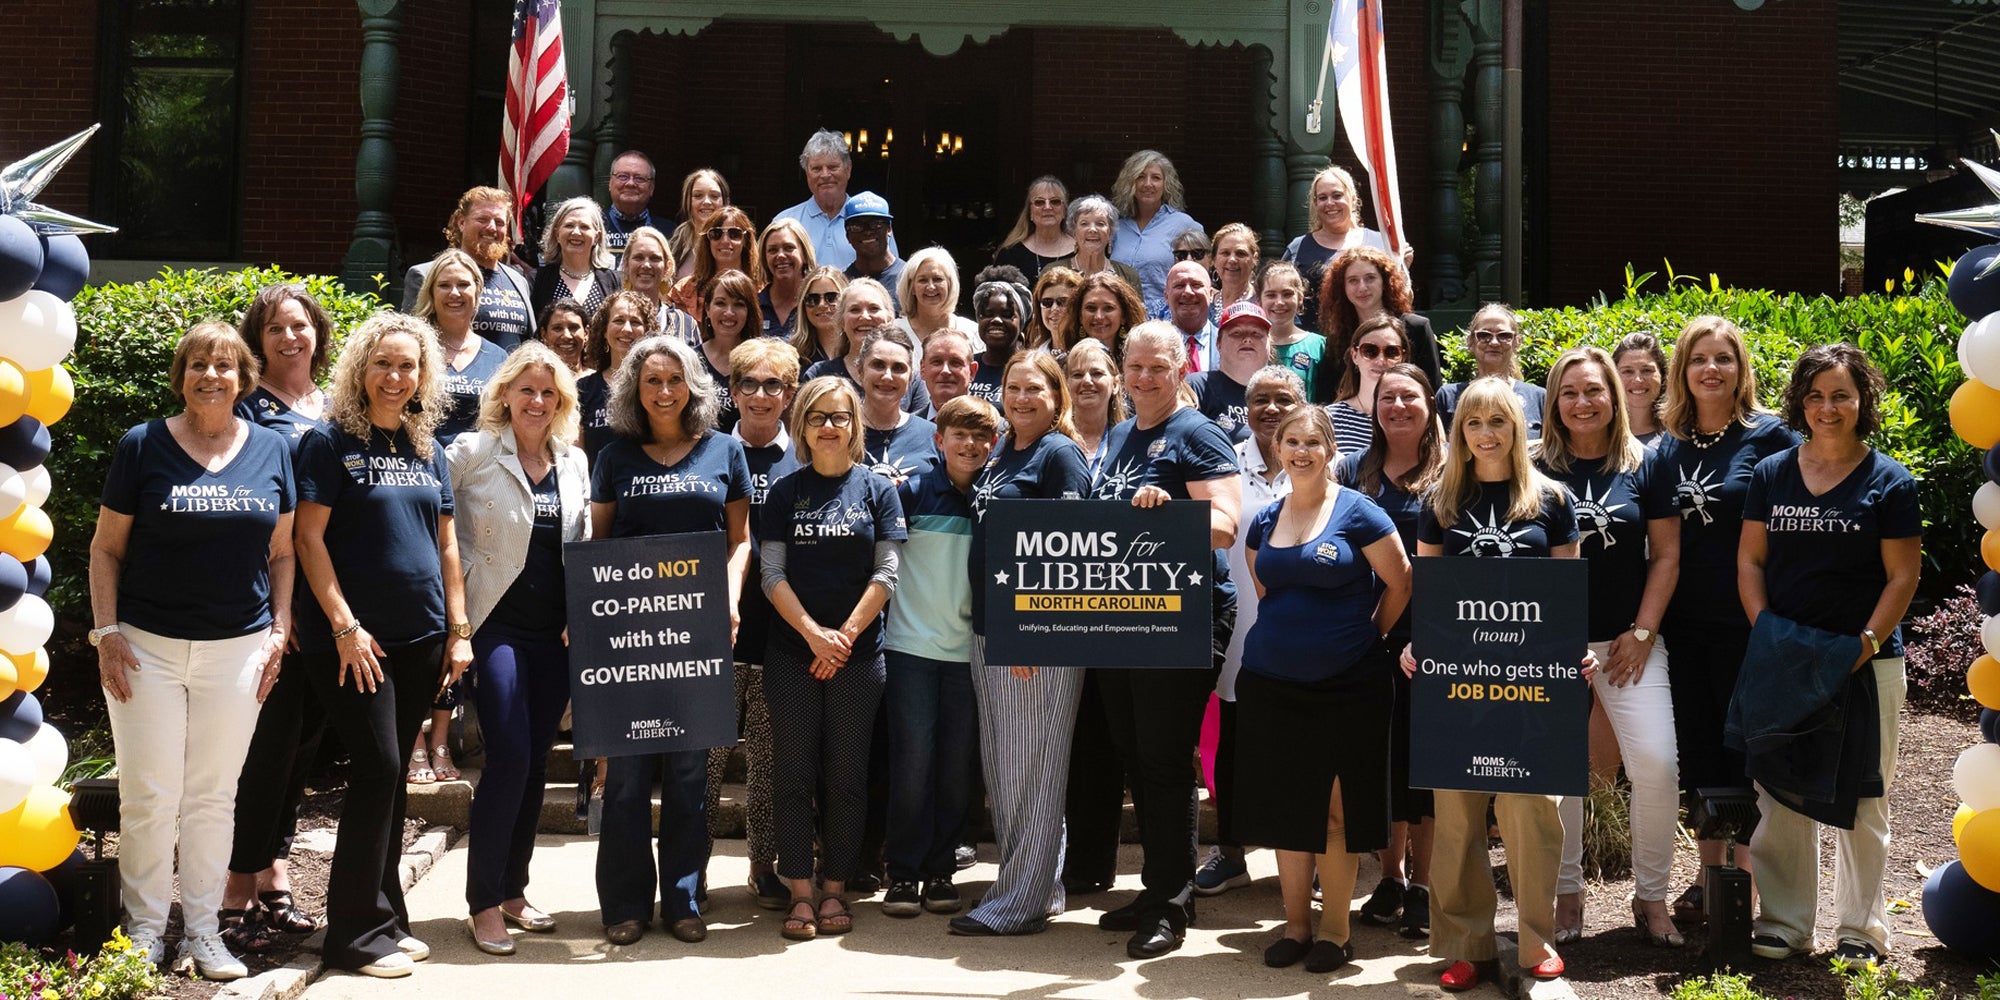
840,921
797,928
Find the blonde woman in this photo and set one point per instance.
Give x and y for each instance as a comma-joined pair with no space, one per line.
927,297
703,193
578,254
1040,236
1493,337
650,273
787,258
1153,210
819,335
1335,207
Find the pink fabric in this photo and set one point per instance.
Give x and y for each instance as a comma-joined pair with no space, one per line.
1211,737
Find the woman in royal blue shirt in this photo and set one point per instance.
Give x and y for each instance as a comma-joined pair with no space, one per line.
670,471
387,629
185,654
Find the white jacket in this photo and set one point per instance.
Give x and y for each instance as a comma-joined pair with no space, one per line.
495,512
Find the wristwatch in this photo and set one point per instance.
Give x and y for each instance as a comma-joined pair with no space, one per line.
1642,634
97,635
462,629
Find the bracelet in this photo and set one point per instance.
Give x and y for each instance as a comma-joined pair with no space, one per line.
1869,634
349,630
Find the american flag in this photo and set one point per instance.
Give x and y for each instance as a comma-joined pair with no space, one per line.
1361,83
534,137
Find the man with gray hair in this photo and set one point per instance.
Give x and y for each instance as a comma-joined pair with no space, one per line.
947,366
827,167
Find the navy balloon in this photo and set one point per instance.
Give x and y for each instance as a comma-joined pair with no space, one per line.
13,581
39,576
1973,295
1989,725
30,908
66,878
20,257
65,266
1963,914
24,444
1988,589
20,717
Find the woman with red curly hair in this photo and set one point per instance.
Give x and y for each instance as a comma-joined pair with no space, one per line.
1361,284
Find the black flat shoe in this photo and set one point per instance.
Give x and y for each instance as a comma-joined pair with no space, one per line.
964,925
625,932
1124,918
1154,938
1325,956
1285,953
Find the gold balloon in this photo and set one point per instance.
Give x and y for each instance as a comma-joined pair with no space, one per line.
1979,848
1975,414
10,678
27,534
38,834
1958,820
1983,680
50,393
30,669
13,392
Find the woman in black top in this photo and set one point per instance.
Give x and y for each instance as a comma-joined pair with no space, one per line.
1040,236
576,258
1361,284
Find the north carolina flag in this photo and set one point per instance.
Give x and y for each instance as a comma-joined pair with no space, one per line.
534,136
1361,83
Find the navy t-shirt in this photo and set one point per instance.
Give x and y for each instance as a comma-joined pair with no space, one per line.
593,404
464,388
916,400
198,562
1316,618
1052,468
725,415
1405,510
381,533
655,499
265,409
986,382
767,463
829,527
1483,530
1221,399
1823,556
909,450
504,317
1709,485
1612,512
1534,402
535,604
1184,448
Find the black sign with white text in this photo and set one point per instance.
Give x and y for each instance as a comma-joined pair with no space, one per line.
1498,703
1098,583
649,652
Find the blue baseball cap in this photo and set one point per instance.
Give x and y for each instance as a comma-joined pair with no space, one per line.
866,205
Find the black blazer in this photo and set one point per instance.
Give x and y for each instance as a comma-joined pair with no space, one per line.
549,285
1423,347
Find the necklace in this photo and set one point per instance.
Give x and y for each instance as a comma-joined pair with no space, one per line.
386,436
1706,440
574,275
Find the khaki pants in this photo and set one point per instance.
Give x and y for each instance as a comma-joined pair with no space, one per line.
1462,897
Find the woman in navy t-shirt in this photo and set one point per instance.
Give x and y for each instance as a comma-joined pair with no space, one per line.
387,629
1832,539
1493,338
728,315
623,320
864,307
1314,696
449,299
1717,432
898,443
1491,503
828,537
670,471
1167,451
185,656
1629,532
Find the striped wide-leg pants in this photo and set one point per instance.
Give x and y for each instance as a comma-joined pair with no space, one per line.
1024,736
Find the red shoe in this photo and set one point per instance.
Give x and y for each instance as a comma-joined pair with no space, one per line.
1551,968
1463,976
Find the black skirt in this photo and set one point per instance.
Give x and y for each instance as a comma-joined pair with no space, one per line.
1293,739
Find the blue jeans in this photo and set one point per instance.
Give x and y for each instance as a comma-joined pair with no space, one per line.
520,685
625,870
933,754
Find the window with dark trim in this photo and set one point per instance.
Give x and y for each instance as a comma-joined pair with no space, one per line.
169,165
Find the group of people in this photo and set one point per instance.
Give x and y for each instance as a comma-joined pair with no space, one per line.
846,427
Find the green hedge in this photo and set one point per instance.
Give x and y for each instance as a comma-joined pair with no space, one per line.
1911,331
125,343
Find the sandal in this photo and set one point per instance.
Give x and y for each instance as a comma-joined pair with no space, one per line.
441,763
283,915
799,928
1691,908
840,921
244,930
420,769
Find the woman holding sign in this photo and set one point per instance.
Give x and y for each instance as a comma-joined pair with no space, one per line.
521,488
1491,503
1631,536
670,471
828,536
1832,539
1312,761
1167,451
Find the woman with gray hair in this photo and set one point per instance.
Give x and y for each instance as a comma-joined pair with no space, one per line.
1148,194
1093,220
669,471
575,244
1003,310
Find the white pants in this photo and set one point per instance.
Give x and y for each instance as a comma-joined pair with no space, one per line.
180,740
1642,717
1786,849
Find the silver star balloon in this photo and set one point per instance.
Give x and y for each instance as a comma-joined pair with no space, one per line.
23,179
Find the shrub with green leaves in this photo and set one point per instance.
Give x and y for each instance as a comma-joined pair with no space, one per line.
117,972
126,334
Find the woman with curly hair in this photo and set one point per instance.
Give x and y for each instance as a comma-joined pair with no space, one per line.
1361,284
625,319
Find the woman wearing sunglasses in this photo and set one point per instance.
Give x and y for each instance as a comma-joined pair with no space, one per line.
728,244
1380,343
1040,237
819,336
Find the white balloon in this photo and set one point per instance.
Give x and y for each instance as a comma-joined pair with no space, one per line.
38,484
36,330
1963,336
26,625
13,491
51,754
1986,505
17,774
1976,776
1981,347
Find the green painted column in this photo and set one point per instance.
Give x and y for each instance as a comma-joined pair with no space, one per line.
1488,201
1267,157
1450,50
372,251
613,132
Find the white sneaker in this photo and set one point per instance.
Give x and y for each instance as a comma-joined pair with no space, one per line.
394,966
150,946
209,957
417,950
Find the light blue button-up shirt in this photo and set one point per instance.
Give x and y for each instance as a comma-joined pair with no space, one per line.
1150,250
828,234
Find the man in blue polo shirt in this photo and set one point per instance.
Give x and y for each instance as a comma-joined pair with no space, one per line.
827,167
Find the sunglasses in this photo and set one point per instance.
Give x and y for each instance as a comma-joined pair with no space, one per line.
840,419
1190,254
1055,303
1393,352
768,387
728,232
814,300
1493,336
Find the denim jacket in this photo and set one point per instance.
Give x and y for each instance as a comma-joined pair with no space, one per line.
1807,723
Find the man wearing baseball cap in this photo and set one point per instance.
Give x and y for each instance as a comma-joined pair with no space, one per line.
869,232
1242,345
828,167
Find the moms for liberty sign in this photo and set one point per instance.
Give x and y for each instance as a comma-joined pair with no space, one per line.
1097,583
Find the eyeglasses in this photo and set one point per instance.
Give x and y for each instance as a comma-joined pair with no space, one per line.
1190,254
814,300
1393,352
1047,203
1493,336
1055,303
627,178
840,419
728,232
768,387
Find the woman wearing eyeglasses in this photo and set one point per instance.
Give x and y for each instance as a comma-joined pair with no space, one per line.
1380,344
819,335
728,244
1494,339
1359,285
1054,291
1039,237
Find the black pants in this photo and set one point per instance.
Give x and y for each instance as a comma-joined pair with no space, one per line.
1094,806
282,751
1155,717
1706,659
365,915
820,742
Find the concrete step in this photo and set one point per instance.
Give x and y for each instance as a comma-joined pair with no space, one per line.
562,764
